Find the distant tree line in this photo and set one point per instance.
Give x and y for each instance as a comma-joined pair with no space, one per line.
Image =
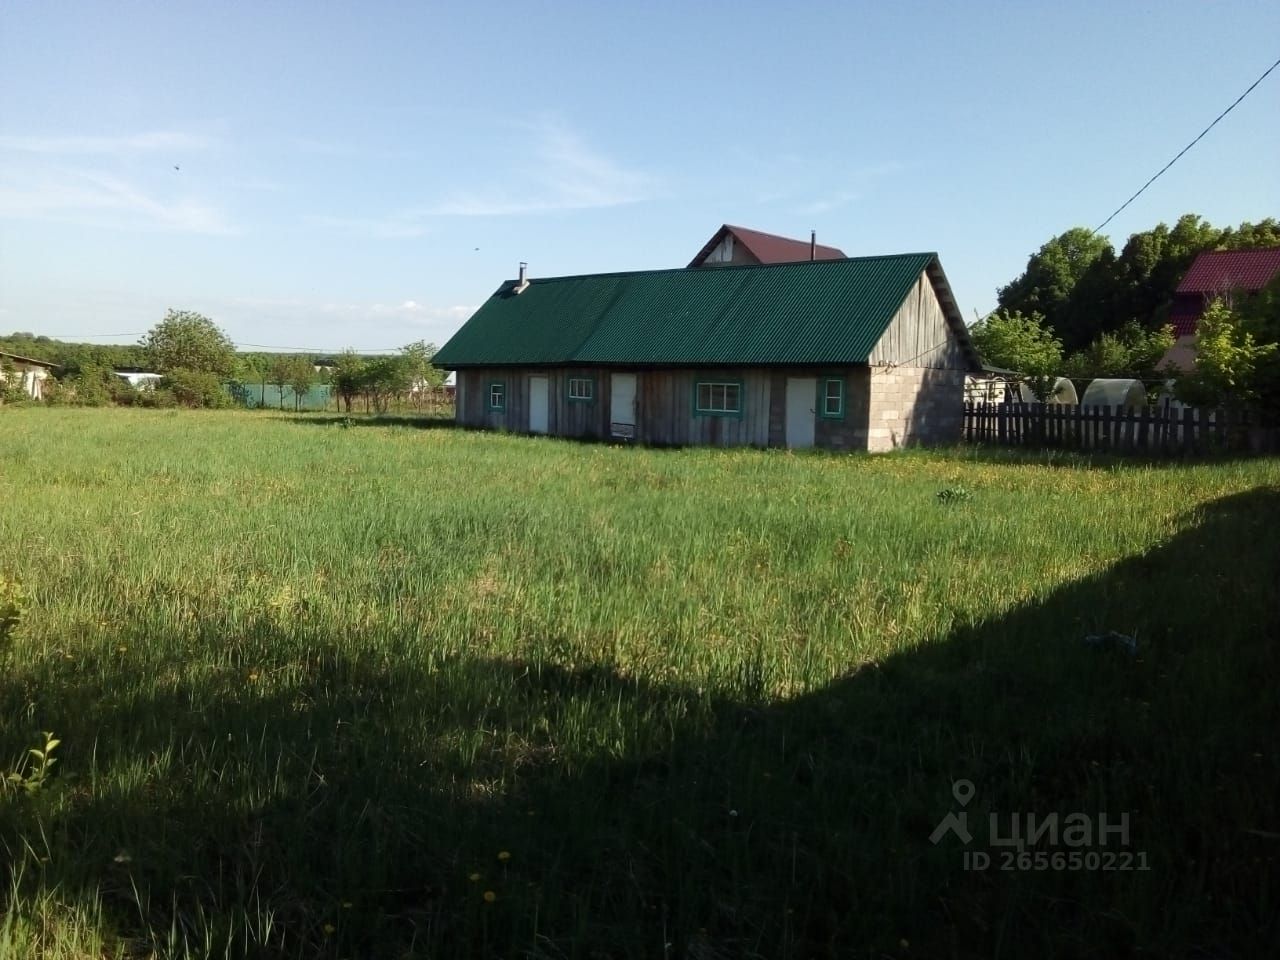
1081,310
200,367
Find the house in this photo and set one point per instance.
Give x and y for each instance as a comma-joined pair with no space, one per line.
740,246
865,353
31,373
1214,273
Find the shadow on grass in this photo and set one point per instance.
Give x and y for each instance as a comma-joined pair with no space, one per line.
315,798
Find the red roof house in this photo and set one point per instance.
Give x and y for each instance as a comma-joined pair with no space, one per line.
1217,273
738,245
1214,273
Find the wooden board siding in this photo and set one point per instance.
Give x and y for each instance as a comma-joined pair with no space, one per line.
665,404
565,418
472,398
578,418
884,409
851,432
847,434
919,334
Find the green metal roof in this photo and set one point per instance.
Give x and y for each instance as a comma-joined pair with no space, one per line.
825,311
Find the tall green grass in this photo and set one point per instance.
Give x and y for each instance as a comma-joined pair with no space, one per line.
314,675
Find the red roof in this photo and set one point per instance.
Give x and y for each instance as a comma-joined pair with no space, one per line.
767,247
1218,271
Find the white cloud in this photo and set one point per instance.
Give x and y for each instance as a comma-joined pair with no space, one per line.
168,140
50,178
567,173
102,199
562,172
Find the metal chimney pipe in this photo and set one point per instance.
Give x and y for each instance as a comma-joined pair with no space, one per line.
524,267
813,245
523,283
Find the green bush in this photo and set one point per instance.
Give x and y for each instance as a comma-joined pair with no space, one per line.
157,398
194,388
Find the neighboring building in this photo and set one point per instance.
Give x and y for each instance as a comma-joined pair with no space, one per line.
739,246
138,379
991,385
1215,273
32,373
868,353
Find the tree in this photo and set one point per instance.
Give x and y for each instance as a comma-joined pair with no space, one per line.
1023,344
279,374
185,340
1260,316
1131,351
1252,236
252,369
1227,359
302,373
1052,273
385,378
347,377
424,379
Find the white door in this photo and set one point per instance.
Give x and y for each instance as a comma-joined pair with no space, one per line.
802,394
539,387
622,404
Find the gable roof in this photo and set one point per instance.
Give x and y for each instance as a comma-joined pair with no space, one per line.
19,359
823,312
766,247
1217,271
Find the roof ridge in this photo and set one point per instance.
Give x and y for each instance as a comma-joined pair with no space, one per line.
720,268
773,236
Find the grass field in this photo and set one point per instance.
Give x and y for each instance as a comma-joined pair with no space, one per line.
359,689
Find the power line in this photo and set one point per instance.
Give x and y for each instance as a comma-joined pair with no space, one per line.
1179,154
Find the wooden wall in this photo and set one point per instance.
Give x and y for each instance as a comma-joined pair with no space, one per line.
665,406
847,434
565,417
919,334
664,409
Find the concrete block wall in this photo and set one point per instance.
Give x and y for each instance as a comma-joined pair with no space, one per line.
914,406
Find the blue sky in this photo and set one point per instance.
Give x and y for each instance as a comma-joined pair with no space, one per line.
365,175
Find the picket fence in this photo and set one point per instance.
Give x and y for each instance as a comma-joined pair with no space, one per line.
1145,430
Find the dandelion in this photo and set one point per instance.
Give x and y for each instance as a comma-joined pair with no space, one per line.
474,877
328,929
490,896
253,676
504,855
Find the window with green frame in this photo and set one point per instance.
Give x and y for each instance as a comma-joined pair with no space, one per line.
582,389
831,403
717,398
498,395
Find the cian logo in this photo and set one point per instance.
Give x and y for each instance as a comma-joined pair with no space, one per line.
957,823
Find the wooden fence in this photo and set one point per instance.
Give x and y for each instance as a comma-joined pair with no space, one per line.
1147,430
